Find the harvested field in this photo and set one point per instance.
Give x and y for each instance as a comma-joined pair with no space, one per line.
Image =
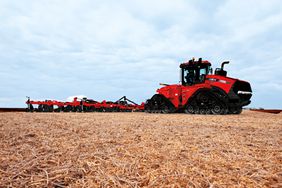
140,150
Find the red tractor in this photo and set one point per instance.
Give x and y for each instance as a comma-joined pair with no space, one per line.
201,92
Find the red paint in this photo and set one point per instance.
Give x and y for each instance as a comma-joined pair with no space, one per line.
98,105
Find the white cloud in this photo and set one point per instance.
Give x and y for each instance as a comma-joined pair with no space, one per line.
54,49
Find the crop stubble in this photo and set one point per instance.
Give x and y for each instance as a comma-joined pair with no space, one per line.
140,150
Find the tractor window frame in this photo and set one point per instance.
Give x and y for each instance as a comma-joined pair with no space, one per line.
199,77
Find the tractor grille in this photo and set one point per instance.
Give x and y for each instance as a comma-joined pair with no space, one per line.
243,90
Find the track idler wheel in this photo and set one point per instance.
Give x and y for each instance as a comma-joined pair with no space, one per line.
192,108
164,109
219,107
203,111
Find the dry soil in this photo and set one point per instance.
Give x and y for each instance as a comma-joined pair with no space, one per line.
140,150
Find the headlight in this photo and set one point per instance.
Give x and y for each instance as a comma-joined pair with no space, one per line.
245,92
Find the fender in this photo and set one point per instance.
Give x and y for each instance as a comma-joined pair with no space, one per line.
164,98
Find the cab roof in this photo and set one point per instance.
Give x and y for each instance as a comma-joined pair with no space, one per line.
193,63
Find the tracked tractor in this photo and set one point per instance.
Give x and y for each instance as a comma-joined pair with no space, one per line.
201,91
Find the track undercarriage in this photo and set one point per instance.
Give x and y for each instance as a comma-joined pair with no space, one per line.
202,103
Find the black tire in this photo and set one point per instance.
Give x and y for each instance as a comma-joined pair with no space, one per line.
68,108
40,108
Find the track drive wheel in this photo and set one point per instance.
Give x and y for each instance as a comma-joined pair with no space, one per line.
218,106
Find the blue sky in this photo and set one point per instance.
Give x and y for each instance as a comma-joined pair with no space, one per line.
53,49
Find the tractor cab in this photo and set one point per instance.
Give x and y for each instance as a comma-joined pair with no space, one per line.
194,72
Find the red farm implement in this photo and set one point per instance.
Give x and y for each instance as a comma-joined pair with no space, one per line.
84,105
